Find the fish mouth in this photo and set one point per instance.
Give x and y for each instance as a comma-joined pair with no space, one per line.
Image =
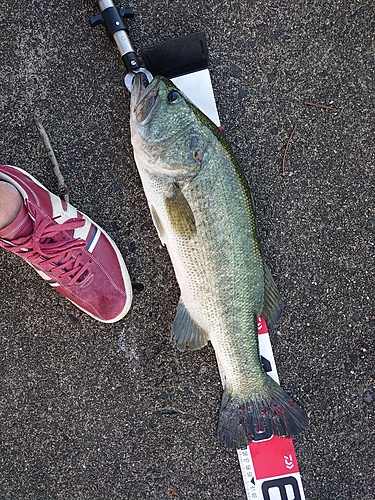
144,98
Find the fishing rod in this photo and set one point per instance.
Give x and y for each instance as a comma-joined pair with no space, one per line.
184,59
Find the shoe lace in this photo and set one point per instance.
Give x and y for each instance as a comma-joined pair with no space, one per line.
50,248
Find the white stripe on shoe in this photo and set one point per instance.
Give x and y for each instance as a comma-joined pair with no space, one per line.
63,214
60,214
83,232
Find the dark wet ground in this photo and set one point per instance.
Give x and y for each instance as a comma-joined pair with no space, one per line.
92,411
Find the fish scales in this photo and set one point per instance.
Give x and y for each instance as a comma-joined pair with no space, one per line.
216,290
202,208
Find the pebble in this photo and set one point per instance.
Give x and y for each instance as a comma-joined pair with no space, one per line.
271,77
236,71
74,321
368,397
242,94
138,287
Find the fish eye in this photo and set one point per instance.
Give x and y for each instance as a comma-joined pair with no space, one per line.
173,96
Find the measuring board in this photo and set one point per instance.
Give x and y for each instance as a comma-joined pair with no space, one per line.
269,467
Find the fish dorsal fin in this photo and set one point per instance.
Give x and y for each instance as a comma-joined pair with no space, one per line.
179,212
185,333
272,305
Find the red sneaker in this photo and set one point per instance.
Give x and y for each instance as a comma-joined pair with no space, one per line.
67,249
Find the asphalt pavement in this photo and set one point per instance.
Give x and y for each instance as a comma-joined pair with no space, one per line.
93,411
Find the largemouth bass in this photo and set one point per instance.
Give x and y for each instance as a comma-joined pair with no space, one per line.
203,212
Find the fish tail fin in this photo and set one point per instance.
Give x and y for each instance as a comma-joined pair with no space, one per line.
270,411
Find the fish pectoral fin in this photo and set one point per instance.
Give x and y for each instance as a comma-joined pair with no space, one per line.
179,212
158,224
272,304
186,333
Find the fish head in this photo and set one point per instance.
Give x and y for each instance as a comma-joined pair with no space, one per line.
168,134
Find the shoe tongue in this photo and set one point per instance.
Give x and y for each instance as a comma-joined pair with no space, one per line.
21,226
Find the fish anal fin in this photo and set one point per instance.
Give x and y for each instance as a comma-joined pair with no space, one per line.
179,212
272,304
186,333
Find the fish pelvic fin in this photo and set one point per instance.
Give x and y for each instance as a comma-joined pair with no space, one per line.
272,303
186,333
260,416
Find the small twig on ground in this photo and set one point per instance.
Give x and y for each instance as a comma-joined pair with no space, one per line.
323,106
286,149
174,492
62,187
